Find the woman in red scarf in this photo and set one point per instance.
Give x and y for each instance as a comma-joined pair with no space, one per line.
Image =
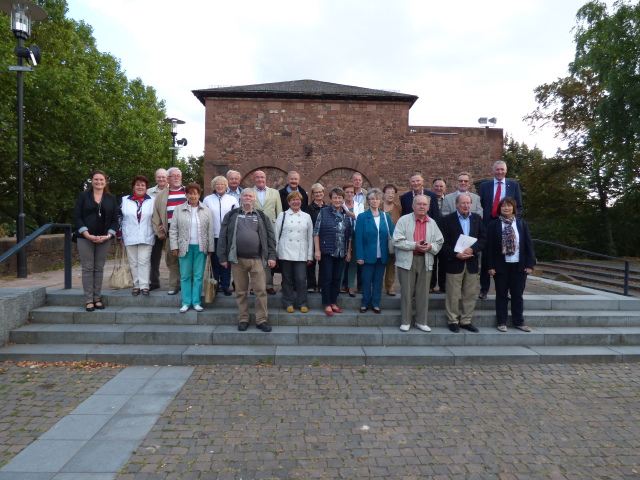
137,233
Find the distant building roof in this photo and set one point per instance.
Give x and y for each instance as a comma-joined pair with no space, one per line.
304,89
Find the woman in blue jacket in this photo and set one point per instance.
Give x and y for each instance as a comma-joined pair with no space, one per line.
373,229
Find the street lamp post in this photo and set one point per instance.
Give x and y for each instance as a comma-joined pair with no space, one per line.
174,133
22,13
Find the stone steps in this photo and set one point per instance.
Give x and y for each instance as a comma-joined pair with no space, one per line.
317,336
600,279
150,330
316,355
350,318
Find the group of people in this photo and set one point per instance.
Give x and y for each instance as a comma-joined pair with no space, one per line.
429,238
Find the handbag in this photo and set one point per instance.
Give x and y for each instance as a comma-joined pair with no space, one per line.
210,283
389,238
278,267
121,275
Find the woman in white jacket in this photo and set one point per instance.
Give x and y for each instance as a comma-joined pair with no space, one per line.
136,232
220,203
294,237
191,239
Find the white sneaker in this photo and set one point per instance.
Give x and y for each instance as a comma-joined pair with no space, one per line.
198,308
424,328
405,328
184,308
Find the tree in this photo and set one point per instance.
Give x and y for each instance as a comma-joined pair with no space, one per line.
81,114
596,109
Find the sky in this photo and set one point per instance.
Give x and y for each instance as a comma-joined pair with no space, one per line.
464,60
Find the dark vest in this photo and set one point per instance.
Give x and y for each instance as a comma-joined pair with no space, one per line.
327,231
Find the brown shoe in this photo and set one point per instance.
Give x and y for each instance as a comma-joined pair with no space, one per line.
271,291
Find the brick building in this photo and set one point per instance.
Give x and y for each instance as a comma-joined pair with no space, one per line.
325,131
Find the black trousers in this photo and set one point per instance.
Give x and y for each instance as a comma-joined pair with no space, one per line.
511,281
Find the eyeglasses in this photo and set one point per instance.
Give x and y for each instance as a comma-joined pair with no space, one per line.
175,176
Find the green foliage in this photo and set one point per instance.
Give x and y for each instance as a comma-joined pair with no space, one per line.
81,114
596,109
192,170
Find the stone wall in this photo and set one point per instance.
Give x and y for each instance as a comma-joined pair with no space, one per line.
44,253
326,141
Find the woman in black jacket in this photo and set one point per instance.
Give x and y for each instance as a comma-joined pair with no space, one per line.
510,258
96,219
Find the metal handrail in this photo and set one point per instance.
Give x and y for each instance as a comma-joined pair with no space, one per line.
626,262
67,248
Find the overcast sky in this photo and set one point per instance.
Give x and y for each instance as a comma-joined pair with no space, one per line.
463,59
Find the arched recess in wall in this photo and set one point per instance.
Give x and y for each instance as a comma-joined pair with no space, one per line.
276,177
336,172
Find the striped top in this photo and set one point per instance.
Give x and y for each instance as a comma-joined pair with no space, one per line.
175,198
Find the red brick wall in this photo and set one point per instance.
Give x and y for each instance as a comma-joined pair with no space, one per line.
327,141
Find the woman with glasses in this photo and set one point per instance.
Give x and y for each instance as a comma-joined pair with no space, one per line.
220,203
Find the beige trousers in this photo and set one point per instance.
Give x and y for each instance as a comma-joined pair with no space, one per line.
461,284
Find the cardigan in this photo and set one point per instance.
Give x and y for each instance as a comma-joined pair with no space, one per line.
368,237
85,213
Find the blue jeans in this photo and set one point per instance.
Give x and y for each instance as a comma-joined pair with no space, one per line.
191,274
221,274
372,275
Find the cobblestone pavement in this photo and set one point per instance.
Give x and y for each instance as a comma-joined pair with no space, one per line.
32,400
494,422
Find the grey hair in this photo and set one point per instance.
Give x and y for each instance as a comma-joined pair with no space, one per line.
374,191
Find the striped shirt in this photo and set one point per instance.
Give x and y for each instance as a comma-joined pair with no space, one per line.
175,198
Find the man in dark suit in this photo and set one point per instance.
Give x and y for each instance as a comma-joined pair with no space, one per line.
462,267
491,192
293,184
417,188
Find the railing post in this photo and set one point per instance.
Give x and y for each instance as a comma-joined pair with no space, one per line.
67,257
626,278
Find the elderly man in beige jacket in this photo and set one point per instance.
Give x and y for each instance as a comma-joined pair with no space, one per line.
417,239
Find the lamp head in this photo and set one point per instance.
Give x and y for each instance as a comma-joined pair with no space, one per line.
22,14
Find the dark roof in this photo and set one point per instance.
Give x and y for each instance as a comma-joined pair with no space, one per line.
304,89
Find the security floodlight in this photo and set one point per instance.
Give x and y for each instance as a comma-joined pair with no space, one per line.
491,121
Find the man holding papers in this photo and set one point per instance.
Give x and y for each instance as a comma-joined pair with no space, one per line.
464,238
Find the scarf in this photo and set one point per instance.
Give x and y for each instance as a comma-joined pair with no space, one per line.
508,236
139,201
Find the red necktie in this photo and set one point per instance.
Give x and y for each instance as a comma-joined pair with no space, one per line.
496,201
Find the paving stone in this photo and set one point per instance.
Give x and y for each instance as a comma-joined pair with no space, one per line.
138,354
494,355
76,427
126,427
408,356
101,456
229,335
44,456
168,334
47,353
286,355
576,354
228,354
337,336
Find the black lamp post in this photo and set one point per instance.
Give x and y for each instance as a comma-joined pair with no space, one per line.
22,13
174,132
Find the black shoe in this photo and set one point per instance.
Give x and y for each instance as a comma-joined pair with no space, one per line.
242,326
483,294
226,292
470,327
264,326
154,287
454,327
